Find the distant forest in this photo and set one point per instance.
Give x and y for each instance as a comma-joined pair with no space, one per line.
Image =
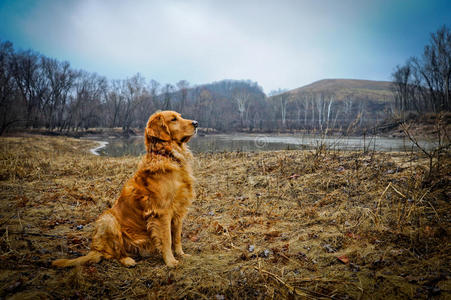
41,92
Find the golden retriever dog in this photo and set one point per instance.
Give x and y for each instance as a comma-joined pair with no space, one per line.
149,212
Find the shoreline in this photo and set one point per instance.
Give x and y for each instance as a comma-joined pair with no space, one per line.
421,131
102,144
260,142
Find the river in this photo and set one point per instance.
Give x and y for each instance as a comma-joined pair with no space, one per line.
263,142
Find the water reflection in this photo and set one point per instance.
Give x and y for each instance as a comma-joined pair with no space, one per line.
245,142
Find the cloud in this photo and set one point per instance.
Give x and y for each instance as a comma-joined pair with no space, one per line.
173,40
280,44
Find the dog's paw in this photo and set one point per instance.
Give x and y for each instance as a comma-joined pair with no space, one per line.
183,255
128,262
172,263
179,252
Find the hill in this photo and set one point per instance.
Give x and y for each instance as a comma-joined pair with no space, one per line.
349,88
348,105
329,103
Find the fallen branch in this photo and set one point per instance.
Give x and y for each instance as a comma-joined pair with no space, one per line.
35,234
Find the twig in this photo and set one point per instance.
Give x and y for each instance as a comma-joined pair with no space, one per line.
382,195
414,140
434,211
359,220
376,218
421,199
296,290
20,222
61,204
318,279
398,192
290,260
290,288
6,220
130,287
198,294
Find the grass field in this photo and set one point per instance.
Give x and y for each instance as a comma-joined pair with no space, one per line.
285,224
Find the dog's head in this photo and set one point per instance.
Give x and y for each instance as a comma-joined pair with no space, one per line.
169,126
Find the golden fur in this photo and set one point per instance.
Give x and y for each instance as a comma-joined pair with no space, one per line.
148,214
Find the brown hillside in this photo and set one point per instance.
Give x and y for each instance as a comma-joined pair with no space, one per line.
348,88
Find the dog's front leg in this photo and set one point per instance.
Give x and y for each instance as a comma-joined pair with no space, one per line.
177,236
166,240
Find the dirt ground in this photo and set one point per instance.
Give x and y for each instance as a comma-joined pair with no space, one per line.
286,224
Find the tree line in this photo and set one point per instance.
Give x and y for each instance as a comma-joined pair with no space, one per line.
41,92
37,91
422,84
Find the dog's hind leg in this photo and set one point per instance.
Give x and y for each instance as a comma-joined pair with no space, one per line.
128,261
108,240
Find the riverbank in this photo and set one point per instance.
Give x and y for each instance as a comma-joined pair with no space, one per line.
421,127
270,142
271,224
98,133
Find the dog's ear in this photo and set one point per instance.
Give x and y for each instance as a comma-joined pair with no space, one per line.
157,128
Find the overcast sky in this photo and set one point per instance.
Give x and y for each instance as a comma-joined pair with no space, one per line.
279,44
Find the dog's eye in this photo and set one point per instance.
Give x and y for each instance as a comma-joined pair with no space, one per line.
175,119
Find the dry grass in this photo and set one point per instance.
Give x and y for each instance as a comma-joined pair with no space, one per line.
321,225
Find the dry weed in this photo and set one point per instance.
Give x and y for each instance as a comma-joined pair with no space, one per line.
263,225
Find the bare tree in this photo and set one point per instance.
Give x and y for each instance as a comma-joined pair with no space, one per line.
283,102
146,108
87,103
423,84
182,86
305,99
154,88
9,110
168,90
401,82
60,79
206,101
319,106
312,105
348,107
331,101
114,103
299,105
241,96
132,91
436,67
31,84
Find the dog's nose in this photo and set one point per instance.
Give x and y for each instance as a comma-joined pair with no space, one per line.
195,124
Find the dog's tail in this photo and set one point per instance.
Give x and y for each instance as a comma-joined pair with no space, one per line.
91,257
